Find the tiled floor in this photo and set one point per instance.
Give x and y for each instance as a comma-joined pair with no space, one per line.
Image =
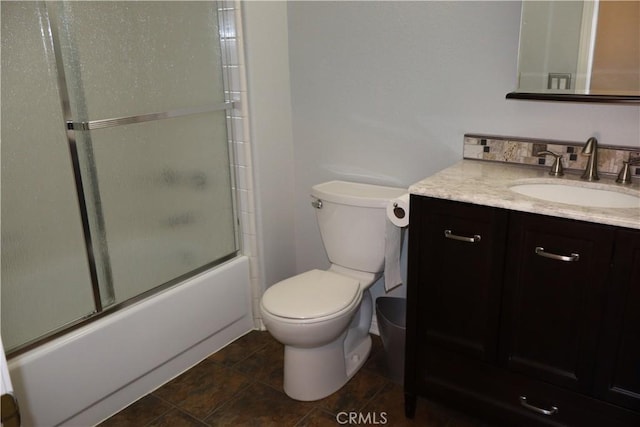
241,385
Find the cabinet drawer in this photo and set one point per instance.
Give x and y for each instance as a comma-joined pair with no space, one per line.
497,394
549,401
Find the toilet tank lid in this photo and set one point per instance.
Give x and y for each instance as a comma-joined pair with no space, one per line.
356,194
310,295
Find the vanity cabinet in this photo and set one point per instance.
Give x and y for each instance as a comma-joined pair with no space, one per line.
522,319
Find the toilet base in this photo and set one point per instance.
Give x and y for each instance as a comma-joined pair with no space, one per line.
312,374
356,358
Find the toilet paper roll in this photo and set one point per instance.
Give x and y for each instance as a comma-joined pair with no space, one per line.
398,211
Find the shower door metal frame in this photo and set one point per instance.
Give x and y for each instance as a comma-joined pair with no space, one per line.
75,164
71,127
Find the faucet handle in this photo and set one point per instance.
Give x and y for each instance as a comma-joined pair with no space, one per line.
624,177
556,168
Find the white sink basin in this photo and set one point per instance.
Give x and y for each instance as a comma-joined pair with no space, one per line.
578,195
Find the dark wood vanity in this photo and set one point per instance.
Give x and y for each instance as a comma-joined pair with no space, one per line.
522,319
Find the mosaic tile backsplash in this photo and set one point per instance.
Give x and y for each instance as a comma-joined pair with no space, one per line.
525,151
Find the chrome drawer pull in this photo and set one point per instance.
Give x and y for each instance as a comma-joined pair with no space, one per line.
553,410
573,257
449,235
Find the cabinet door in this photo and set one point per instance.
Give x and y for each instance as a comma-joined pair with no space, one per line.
618,372
553,300
455,275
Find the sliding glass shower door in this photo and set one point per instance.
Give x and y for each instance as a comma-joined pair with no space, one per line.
142,95
46,280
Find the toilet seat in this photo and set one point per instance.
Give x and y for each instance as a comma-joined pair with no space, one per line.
313,295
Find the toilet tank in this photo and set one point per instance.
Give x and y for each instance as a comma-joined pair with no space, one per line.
352,220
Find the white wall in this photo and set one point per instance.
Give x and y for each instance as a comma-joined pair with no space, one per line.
266,50
384,91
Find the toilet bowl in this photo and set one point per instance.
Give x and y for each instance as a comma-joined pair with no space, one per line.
323,316
318,358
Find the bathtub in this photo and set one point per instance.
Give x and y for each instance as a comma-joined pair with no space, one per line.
91,373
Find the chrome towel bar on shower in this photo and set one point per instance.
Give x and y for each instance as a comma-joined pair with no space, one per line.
120,121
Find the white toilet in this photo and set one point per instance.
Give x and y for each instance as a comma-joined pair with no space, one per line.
323,317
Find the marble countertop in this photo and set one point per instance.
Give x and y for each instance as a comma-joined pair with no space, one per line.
487,183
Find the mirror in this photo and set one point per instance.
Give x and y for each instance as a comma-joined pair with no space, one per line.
579,51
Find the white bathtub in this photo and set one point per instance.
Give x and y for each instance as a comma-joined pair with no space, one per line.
91,373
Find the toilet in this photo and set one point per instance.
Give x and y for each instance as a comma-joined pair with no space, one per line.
323,316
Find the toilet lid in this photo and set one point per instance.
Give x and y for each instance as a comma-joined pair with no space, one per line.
311,295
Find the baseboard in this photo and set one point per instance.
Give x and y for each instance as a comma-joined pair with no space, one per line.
374,326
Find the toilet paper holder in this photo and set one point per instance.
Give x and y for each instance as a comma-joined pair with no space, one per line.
398,211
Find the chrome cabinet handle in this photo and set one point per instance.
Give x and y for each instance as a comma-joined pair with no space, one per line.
449,235
571,258
523,402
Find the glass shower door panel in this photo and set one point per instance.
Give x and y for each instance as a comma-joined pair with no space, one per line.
165,188
125,58
45,275
160,190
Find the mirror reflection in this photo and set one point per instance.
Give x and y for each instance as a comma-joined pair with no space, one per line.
580,47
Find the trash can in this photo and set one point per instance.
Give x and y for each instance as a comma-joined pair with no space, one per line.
391,316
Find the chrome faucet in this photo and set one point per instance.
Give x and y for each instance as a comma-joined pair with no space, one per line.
591,149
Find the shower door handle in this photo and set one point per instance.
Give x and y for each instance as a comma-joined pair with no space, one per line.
121,121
